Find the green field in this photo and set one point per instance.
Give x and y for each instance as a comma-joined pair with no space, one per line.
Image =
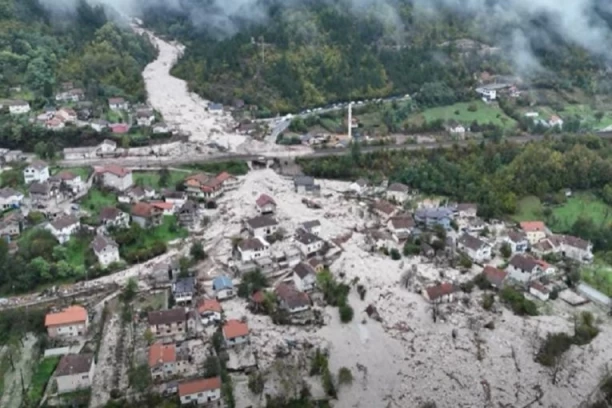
84,172
484,114
97,199
40,377
169,230
584,205
77,247
598,275
151,178
587,116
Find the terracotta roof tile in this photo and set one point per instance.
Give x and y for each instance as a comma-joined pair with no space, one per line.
199,385
161,353
209,305
235,328
532,226
72,314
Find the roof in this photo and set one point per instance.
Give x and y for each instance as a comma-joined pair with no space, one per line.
258,297
309,225
67,175
144,210
402,222
100,242
303,269
38,165
516,236
167,316
437,291
471,242
384,207
292,297
8,192
494,276
114,169
162,205
235,328
199,385
398,187
39,188
64,221
184,285
222,282
306,237
215,106
71,364
264,199
262,221
532,226
224,176
110,213
161,353
209,305
251,244
315,261
467,206
113,101
523,263
576,242
434,213
72,314
539,287
361,182
303,181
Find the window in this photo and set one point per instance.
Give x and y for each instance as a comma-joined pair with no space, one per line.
85,377
201,394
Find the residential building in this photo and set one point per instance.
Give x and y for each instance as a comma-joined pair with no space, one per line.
71,95
308,243
146,215
70,322
539,291
401,227
359,186
555,121
494,276
252,248
40,193
210,311
160,127
567,246
63,227
523,268
467,210
455,128
74,372
306,185
476,249
223,287
518,241
203,186
114,217
99,125
106,250
397,192
168,322
188,215
304,277
67,115
265,204
382,240
535,231
431,217
178,198
262,226
235,333
317,263
164,207
291,299
313,227
10,225
10,198
162,361
116,177
200,391
145,117
71,181
440,293
37,171
184,290
118,104
18,107
107,146
487,94
384,209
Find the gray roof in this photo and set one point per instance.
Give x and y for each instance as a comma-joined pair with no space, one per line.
309,225
303,181
39,188
167,316
471,242
517,236
399,187
8,192
303,269
434,213
110,213
291,296
184,285
100,242
251,244
71,364
262,221
38,165
523,263
64,221
306,237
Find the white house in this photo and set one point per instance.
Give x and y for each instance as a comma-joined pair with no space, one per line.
397,192
539,291
10,198
291,299
252,248
71,180
106,249
116,177
99,125
107,146
63,227
210,311
518,241
117,104
535,231
235,333
75,372
487,93
455,128
304,277
265,204
223,287
72,95
313,226
114,217
36,171
262,226
145,117
228,181
18,107
359,186
184,289
200,391
555,121
476,249
523,269
70,322
308,243
400,227
160,128
566,245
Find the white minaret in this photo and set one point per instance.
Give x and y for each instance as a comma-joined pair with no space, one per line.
350,120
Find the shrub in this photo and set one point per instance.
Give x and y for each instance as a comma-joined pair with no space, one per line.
362,291
256,383
465,262
467,287
506,250
517,302
472,107
319,363
552,348
345,376
487,301
395,255
346,313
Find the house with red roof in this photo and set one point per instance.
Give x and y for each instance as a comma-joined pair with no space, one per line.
228,181
210,311
119,128
535,231
265,204
162,361
115,177
235,332
200,391
494,276
146,215
202,185
70,322
440,293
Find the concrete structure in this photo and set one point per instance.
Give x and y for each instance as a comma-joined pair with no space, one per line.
397,192
252,248
535,231
36,171
262,226
63,227
210,311
10,198
106,250
70,322
115,177
168,322
476,249
201,391
308,243
223,287
304,277
523,269
235,333
75,372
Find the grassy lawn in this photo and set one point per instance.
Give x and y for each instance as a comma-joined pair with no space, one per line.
84,172
235,167
598,275
484,114
151,178
169,230
157,301
77,247
587,115
564,216
41,376
96,199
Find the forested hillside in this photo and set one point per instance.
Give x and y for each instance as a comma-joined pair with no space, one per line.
40,50
324,51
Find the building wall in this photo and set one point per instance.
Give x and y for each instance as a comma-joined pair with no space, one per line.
236,341
107,256
210,317
118,183
163,371
69,383
251,255
202,397
521,276
68,330
225,294
305,284
168,329
397,196
265,231
30,175
140,221
535,236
